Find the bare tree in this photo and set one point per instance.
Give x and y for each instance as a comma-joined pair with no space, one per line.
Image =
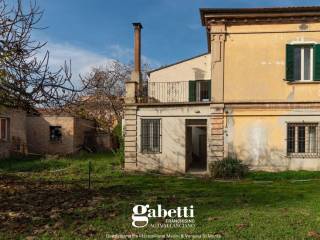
103,98
25,79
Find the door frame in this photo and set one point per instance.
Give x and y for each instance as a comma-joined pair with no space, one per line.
198,122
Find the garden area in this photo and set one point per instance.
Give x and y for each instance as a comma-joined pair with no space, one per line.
52,198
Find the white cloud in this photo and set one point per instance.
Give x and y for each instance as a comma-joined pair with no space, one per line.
126,55
82,60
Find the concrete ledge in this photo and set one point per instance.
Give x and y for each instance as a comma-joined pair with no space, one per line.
131,127
167,104
217,137
130,117
216,131
216,142
131,134
128,155
130,144
129,148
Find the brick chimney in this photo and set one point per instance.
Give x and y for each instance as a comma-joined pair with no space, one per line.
137,47
132,86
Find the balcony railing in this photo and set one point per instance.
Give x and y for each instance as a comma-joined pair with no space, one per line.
182,91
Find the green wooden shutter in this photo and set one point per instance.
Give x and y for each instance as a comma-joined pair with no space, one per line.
289,62
192,91
209,89
316,62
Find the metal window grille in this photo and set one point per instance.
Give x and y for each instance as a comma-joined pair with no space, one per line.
150,135
302,139
291,138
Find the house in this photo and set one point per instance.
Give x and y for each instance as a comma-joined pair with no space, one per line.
254,96
13,136
59,133
45,133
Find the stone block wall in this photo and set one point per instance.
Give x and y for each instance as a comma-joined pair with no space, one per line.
130,137
216,152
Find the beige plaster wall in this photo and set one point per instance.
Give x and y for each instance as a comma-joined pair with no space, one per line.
38,134
172,157
194,69
83,128
258,137
17,139
171,84
255,63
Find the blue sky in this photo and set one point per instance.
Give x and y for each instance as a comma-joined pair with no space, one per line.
93,32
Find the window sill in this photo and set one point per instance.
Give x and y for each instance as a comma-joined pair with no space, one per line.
150,153
302,82
303,155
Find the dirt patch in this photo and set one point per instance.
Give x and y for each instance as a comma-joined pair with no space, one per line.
30,208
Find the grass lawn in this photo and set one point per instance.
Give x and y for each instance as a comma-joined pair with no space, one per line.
50,199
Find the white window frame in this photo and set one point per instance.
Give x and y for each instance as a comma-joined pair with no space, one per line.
6,129
302,48
302,44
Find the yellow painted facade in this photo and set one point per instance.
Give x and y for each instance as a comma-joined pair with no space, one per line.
255,72
255,58
252,103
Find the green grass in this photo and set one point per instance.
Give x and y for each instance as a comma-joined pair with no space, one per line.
247,209
286,175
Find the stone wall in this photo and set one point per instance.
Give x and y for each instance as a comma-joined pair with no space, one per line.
130,137
216,151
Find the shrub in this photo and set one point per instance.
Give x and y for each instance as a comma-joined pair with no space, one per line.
117,132
228,168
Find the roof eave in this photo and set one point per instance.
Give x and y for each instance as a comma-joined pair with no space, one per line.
228,12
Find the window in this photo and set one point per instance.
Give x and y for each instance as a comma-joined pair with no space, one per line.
199,90
55,133
4,125
302,138
150,135
303,62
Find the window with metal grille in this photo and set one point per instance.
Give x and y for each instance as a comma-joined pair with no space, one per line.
150,135
302,139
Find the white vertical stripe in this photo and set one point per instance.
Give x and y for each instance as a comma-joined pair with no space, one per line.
311,63
302,63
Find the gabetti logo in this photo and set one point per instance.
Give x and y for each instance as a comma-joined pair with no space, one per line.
142,213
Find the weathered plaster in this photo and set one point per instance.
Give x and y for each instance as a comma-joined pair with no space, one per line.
173,142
